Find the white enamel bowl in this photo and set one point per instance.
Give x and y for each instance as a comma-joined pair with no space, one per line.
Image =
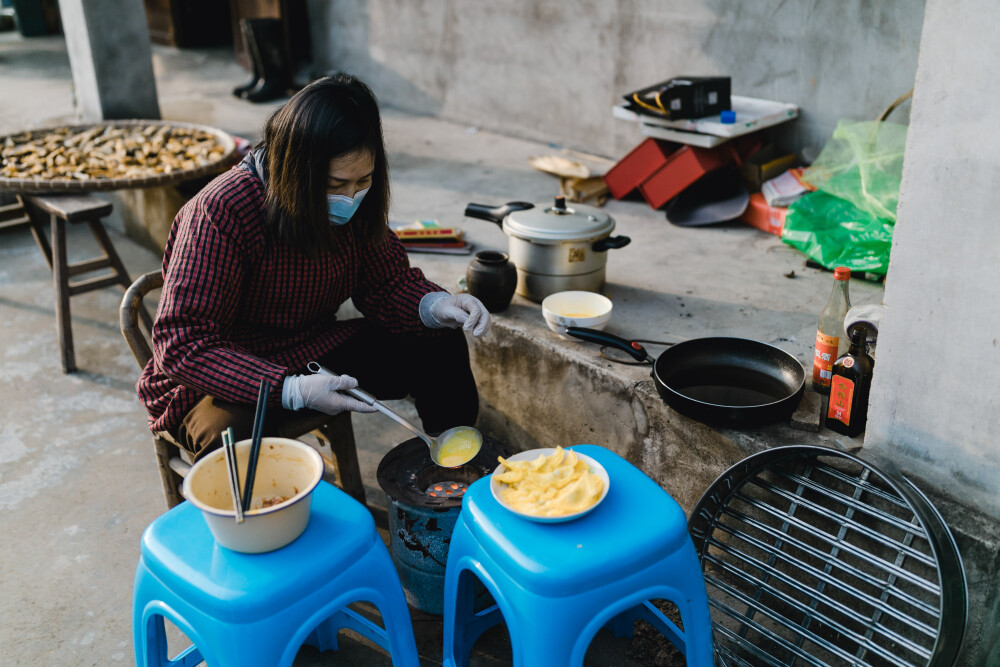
286,468
588,310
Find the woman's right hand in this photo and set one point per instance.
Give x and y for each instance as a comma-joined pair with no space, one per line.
321,392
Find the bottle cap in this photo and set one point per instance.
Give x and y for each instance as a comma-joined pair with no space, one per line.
841,273
727,117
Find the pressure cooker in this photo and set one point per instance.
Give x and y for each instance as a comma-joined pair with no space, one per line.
554,248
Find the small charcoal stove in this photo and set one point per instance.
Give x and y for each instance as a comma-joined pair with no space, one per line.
424,500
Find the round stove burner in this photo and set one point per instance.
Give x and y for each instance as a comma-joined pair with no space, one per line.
407,474
423,502
447,489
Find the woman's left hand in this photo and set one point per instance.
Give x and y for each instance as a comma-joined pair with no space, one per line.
462,310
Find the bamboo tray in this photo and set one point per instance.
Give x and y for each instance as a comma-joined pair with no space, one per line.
47,185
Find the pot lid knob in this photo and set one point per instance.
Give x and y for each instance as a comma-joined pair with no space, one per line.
561,203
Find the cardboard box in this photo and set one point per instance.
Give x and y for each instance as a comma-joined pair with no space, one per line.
765,164
770,219
682,168
639,164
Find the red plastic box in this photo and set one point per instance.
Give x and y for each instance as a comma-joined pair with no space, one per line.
682,168
638,165
770,219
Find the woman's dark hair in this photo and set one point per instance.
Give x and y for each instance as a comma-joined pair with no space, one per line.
332,117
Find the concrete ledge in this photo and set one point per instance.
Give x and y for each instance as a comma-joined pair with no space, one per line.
539,390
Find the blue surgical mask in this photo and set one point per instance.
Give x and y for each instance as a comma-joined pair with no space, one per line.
342,208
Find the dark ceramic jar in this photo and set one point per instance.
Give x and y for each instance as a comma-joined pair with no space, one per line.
492,279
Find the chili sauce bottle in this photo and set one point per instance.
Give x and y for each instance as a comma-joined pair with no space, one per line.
849,388
831,340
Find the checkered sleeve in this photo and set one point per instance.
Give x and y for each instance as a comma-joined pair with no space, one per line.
203,275
389,289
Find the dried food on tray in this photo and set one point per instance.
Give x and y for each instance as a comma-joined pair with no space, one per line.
129,150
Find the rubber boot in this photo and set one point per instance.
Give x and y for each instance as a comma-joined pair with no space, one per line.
273,67
241,91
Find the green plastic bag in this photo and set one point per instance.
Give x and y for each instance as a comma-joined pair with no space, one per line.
849,220
835,232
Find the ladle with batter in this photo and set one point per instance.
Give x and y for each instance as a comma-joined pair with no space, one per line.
452,448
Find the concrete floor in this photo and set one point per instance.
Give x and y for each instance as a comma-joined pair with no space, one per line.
77,476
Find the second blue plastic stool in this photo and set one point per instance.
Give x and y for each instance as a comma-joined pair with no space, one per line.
557,584
257,609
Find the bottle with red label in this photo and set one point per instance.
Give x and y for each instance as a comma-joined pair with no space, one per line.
849,388
831,340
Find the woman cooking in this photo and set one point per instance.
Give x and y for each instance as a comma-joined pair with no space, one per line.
257,264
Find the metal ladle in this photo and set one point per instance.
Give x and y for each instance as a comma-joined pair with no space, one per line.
433,444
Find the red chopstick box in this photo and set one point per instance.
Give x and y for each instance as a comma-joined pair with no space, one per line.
770,219
638,165
682,168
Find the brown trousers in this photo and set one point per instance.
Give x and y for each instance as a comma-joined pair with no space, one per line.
433,369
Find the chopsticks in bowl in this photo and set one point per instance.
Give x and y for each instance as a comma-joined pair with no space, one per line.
258,428
229,449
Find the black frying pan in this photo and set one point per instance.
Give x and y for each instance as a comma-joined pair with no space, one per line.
731,382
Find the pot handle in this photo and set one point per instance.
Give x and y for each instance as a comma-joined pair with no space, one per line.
637,351
496,213
611,242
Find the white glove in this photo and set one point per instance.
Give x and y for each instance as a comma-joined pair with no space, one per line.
321,392
440,309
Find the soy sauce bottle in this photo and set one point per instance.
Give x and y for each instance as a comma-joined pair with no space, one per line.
849,388
831,340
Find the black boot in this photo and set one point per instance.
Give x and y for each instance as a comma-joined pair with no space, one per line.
272,64
241,91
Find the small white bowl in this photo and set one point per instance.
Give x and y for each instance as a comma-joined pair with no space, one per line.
531,455
286,468
588,310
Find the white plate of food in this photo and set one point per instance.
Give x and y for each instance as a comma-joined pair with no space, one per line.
550,485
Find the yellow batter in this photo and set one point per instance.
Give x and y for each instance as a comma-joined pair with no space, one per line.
458,449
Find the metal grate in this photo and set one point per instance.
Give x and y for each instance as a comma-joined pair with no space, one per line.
812,556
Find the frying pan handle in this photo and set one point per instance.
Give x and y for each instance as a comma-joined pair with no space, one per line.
638,352
496,213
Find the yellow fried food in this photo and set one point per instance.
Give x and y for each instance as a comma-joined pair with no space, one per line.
554,485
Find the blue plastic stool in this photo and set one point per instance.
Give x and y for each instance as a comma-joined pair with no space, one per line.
557,584
258,609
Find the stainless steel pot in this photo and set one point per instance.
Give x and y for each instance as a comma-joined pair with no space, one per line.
554,248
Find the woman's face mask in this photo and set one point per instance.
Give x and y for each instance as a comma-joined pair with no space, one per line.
342,208
350,179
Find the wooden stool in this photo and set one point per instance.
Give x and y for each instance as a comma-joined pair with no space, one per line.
75,208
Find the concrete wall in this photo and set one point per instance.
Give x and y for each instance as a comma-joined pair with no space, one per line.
940,337
551,70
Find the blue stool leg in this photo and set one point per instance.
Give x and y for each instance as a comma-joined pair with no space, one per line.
372,580
388,597
463,625
694,607
149,637
689,595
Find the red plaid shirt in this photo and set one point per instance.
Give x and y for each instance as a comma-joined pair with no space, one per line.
238,306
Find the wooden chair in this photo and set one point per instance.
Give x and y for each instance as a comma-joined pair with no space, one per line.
174,461
814,556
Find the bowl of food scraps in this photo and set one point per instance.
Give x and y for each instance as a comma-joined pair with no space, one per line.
287,473
550,485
